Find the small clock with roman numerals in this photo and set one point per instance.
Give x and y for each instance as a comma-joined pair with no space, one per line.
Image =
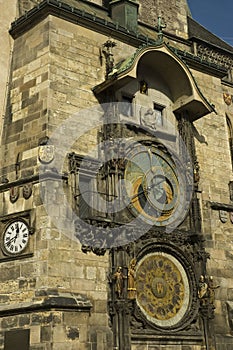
16,237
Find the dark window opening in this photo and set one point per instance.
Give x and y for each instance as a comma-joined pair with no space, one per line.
158,112
230,139
126,106
17,339
85,197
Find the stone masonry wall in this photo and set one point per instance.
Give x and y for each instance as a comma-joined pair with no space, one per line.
7,15
174,14
56,65
51,81
215,173
51,330
27,121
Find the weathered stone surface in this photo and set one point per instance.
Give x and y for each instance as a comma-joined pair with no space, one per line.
55,66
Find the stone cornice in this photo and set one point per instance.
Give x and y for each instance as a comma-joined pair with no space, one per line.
221,206
46,175
103,26
63,302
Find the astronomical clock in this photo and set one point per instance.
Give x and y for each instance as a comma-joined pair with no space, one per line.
147,215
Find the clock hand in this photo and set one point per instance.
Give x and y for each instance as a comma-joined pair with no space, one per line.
17,228
138,194
12,239
145,191
150,157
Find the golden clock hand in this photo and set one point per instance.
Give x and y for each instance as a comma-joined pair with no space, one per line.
138,194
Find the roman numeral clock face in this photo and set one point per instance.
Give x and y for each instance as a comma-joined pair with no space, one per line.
15,237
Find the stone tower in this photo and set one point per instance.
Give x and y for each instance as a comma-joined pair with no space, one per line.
174,14
115,178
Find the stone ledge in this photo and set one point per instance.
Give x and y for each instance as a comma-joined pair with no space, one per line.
60,301
44,176
181,338
221,206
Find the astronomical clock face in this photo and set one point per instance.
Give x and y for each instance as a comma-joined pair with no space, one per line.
162,289
154,186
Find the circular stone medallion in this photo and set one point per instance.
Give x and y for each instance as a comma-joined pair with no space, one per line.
162,289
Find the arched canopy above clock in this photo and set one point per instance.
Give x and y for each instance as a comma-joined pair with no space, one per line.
166,73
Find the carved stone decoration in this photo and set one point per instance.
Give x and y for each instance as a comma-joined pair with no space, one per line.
206,294
161,25
212,55
148,119
223,216
14,194
119,277
27,191
203,290
131,280
46,153
108,54
211,289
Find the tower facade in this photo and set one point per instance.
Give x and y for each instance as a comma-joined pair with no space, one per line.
116,179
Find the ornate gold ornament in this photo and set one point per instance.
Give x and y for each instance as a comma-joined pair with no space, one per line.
227,98
143,87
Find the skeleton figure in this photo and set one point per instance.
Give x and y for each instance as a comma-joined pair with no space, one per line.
211,289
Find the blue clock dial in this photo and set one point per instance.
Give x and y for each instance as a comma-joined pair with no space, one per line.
154,185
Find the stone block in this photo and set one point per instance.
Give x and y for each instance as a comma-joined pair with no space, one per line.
72,333
59,334
36,318
46,333
75,319
91,272
24,320
35,335
100,306
9,322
